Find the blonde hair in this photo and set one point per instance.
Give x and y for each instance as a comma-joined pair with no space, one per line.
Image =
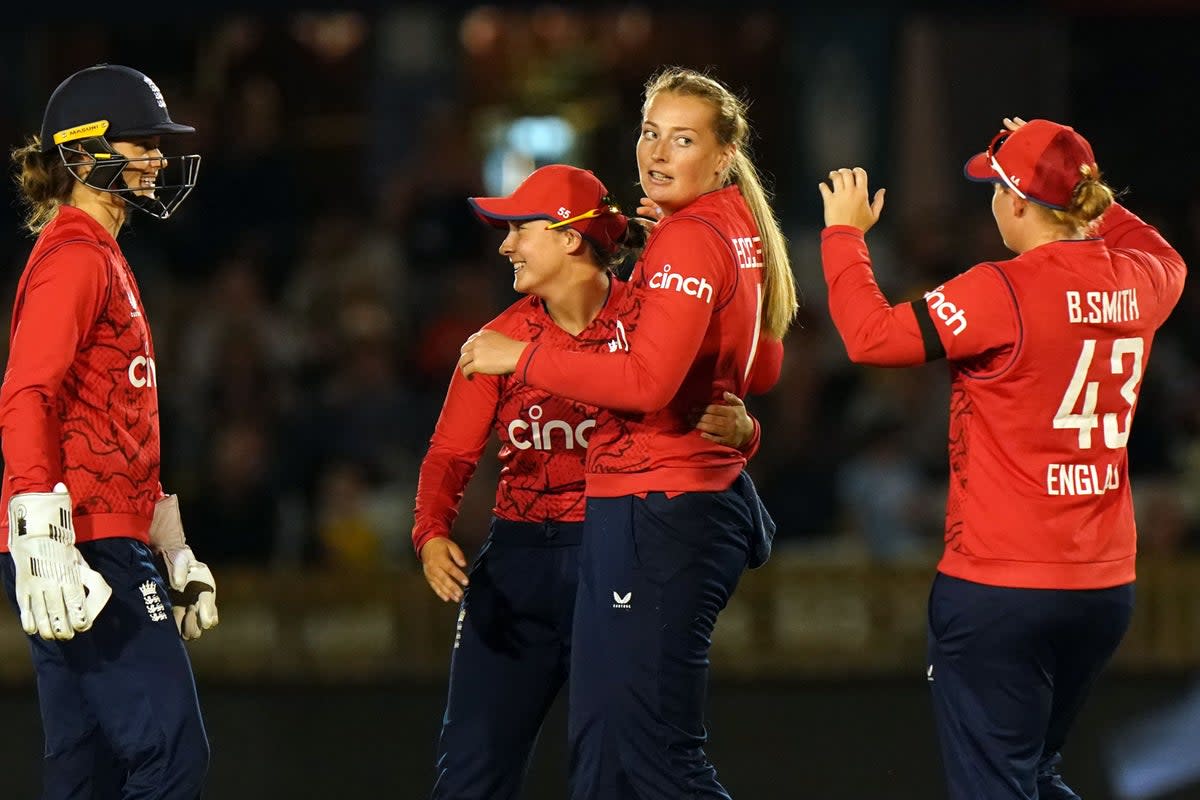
43,182
732,128
1090,199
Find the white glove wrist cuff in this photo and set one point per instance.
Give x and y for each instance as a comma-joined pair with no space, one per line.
166,529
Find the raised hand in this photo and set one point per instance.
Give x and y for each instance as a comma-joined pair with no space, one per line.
847,202
649,214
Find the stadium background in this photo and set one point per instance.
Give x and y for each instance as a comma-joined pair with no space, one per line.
309,300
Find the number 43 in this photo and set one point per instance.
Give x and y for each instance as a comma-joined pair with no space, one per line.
1086,420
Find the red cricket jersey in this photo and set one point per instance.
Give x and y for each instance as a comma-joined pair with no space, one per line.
544,438
690,331
79,402
1047,353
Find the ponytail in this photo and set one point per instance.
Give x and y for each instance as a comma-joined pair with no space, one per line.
732,128
779,282
1090,199
42,181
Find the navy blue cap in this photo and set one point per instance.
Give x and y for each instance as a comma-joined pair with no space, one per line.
106,100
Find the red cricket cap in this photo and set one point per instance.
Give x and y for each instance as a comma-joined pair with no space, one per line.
561,194
1040,161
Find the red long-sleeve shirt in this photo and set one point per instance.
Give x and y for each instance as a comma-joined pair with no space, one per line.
1047,352
543,437
693,331
79,402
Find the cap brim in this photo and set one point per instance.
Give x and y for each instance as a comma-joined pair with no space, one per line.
499,211
163,129
979,169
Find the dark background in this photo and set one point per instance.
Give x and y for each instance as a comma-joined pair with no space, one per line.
828,739
309,300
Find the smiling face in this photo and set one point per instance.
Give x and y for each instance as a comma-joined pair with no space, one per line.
141,174
678,154
537,255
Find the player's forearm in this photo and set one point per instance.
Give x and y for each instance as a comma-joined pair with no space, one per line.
29,438
873,330
642,374
440,487
57,308
619,381
1120,227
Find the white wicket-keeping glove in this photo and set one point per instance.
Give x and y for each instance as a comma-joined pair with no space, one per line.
57,592
193,590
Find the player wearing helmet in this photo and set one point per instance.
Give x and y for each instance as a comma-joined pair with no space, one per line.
100,108
87,517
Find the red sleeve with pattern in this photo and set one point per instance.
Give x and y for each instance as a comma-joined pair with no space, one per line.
670,331
57,303
458,441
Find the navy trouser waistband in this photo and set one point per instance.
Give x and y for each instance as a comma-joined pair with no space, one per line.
536,534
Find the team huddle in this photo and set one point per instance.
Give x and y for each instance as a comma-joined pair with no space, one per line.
624,515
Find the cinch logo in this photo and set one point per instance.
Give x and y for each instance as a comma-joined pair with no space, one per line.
946,311
695,287
541,434
142,372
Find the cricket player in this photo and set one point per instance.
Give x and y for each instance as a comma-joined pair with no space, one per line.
94,557
673,519
1047,351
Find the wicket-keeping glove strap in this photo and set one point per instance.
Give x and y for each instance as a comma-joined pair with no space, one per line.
193,589
57,592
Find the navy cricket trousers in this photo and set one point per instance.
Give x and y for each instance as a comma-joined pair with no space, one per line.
511,654
654,574
119,708
1009,670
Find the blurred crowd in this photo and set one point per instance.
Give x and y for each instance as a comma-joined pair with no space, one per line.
310,298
